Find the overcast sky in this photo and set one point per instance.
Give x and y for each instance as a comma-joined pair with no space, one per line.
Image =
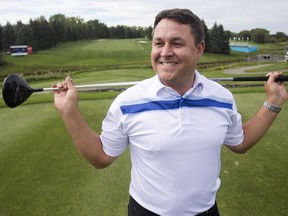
234,15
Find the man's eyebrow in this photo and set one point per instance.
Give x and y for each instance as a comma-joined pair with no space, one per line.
157,38
172,39
177,39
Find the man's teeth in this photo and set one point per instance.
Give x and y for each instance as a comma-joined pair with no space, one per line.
168,63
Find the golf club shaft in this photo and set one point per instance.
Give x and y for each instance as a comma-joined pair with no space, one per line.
101,85
250,78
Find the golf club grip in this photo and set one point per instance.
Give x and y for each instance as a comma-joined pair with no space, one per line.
260,78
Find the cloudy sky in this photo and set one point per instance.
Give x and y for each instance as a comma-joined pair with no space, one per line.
234,15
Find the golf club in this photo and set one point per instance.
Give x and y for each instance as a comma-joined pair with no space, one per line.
16,90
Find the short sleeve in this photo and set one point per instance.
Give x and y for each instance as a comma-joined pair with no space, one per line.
235,134
113,138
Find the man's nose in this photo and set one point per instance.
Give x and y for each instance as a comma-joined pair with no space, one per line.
167,50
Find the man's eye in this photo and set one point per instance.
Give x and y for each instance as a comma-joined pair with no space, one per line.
177,44
158,44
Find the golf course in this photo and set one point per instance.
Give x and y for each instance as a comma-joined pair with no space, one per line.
42,174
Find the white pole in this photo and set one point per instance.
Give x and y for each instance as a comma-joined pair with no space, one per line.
99,85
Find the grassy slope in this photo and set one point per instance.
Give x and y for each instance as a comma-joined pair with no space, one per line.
82,55
253,184
42,174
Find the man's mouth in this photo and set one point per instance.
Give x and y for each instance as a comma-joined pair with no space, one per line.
168,63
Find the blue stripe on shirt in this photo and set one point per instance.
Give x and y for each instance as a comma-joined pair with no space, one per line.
172,104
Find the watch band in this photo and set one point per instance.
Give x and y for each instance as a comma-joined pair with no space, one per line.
272,107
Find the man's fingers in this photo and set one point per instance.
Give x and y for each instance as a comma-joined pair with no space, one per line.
273,76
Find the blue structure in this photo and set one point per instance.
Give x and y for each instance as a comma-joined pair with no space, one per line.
245,49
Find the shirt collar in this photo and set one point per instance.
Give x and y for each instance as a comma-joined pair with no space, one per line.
159,87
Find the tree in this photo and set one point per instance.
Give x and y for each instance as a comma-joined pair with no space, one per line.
207,37
2,62
23,34
117,32
42,32
149,32
245,35
281,37
75,28
259,35
8,36
1,53
219,40
97,30
215,39
58,25
224,40
1,38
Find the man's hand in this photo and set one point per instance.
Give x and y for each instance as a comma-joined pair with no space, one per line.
66,98
276,91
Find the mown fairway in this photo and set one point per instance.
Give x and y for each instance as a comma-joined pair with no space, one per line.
83,56
43,174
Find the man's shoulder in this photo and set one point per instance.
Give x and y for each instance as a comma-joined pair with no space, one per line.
213,87
142,89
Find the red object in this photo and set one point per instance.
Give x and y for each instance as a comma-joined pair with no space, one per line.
29,49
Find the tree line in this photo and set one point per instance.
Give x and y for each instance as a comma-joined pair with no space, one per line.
44,34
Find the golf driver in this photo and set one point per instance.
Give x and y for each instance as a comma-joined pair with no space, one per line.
16,90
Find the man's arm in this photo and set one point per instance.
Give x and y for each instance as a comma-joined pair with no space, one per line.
85,139
255,128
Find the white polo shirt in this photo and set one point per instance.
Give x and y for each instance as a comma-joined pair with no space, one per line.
175,142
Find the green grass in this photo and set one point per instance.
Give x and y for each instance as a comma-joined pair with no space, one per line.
95,55
82,56
97,52
43,174
255,183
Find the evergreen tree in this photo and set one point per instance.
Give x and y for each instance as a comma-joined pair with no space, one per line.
149,32
207,37
43,35
23,34
215,39
58,25
75,28
1,29
8,36
219,41
1,53
97,30
224,40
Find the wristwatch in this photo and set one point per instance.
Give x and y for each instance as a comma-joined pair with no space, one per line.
272,107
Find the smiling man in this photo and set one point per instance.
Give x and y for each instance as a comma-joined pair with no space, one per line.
175,54
175,124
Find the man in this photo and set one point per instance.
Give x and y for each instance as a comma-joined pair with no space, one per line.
175,124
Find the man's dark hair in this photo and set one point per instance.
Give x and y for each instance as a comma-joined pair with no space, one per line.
183,16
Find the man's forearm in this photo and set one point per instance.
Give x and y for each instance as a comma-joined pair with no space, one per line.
255,129
86,140
257,126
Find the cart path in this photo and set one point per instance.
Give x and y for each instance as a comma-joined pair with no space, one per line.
242,70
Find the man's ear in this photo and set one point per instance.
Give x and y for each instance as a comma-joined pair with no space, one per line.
200,49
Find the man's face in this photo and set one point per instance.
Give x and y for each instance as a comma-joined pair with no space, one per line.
174,55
